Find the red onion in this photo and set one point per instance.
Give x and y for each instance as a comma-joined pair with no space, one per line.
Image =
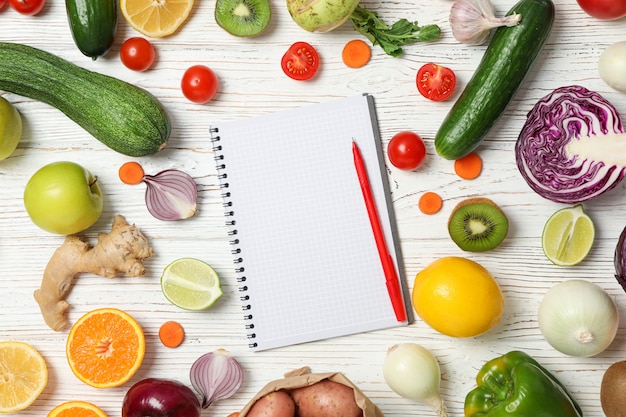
620,259
171,195
216,376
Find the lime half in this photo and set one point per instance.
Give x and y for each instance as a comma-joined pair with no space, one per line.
191,284
568,236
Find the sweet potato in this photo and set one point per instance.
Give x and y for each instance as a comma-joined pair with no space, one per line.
325,398
273,404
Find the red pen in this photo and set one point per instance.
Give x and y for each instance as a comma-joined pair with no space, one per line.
389,268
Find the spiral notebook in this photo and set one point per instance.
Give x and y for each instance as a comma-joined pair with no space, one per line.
304,252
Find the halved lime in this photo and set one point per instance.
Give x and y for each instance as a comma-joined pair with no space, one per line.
191,284
568,236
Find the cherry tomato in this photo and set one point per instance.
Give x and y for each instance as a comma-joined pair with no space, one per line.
301,61
137,54
2,3
604,9
27,7
435,82
199,84
406,150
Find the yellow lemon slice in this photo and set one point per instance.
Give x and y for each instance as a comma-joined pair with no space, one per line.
568,236
23,377
156,18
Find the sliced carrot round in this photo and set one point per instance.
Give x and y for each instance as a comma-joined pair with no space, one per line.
469,166
356,53
430,203
171,334
131,173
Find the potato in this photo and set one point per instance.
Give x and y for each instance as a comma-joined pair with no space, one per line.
325,398
274,404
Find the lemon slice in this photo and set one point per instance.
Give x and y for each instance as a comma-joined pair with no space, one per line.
156,18
191,284
568,236
23,377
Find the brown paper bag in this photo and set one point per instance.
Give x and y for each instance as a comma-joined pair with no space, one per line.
303,377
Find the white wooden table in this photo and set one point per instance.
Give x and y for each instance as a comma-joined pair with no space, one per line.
252,83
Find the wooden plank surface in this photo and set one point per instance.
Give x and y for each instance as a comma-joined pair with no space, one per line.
252,83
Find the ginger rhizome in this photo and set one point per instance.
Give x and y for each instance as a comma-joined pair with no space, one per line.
121,251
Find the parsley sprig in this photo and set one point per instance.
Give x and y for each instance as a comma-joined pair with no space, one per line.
391,38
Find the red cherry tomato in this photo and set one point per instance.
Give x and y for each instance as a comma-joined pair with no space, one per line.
435,82
604,9
199,84
406,150
300,62
27,7
2,3
137,54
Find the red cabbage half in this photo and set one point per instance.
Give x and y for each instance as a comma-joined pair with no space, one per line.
570,147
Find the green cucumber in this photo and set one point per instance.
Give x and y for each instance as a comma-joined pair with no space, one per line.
504,66
126,118
93,24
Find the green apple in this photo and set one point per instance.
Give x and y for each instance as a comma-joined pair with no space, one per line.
63,198
10,128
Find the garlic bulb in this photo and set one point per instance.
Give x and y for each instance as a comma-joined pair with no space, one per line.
472,20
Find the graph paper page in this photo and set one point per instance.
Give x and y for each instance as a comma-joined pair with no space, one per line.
307,260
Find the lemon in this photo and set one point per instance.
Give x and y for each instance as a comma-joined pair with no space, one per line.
568,236
457,297
156,18
191,284
23,376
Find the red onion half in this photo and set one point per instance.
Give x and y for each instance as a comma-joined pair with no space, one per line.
216,376
171,195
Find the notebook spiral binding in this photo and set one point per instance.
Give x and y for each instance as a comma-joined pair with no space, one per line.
232,232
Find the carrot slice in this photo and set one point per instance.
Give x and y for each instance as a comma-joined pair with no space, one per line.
469,166
131,173
430,203
356,53
171,334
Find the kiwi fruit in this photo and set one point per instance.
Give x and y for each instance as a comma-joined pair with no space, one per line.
243,18
612,390
477,225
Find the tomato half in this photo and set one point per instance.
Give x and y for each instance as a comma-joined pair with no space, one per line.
435,82
137,54
604,9
199,84
27,7
406,150
301,61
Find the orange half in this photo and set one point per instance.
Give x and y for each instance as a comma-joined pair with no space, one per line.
77,409
105,348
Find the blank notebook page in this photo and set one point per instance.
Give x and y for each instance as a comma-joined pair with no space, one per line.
306,258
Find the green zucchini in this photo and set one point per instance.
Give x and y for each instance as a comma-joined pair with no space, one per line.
504,66
126,118
93,24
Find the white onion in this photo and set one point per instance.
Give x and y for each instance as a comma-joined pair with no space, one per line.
578,318
412,372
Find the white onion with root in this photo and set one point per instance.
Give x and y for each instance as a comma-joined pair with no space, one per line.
578,318
412,372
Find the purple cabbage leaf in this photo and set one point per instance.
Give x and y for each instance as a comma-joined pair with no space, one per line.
570,148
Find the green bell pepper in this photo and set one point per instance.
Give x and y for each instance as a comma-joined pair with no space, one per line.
515,385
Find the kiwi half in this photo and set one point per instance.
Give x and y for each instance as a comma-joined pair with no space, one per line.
477,225
243,18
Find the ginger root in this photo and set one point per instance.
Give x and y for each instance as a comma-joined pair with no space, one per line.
122,250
